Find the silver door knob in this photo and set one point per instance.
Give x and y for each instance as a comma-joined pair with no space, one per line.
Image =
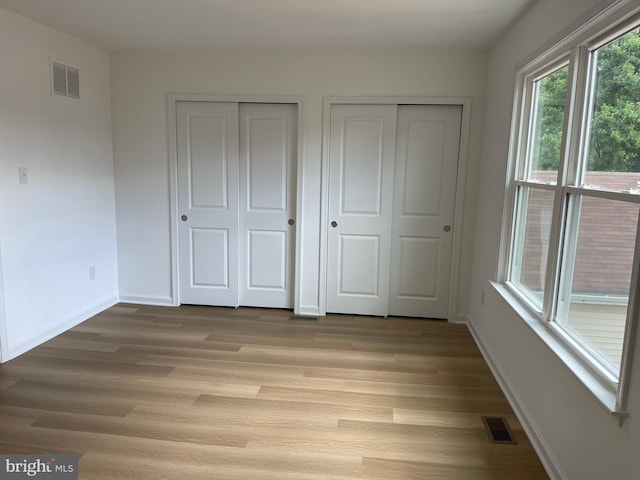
184,218
334,224
447,228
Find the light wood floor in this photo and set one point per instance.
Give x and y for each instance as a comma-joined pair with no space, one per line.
214,393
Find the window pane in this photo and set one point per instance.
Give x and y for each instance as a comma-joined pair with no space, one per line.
546,133
596,274
613,158
531,243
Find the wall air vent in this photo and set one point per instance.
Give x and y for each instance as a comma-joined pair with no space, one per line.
65,80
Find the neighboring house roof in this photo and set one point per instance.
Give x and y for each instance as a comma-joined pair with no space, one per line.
606,237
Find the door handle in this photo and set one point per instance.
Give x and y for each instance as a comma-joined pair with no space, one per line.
184,218
291,221
334,224
447,228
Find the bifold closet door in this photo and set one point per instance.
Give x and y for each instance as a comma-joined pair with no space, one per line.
392,173
236,203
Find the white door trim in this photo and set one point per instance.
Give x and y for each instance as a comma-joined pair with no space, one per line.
465,103
172,99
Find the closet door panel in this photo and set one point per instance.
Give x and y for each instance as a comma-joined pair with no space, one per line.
268,149
207,143
362,147
424,204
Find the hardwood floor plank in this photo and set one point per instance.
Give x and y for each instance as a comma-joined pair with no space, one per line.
81,355
317,357
17,415
6,382
174,389
92,344
290,408
207,434
420,390
384,401
234,417
146,392
72,365
429,376
276,465
344,445
451,419
377,468
43,397
261,338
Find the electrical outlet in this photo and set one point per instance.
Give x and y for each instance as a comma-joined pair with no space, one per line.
92,272
23,175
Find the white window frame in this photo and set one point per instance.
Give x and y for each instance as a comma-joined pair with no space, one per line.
610,389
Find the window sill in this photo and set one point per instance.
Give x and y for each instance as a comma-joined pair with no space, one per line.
604,391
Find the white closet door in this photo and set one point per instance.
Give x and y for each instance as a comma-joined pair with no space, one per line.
424,202
362,149
267,204
207,143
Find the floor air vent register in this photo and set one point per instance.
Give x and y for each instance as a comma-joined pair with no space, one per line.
498,430
303,318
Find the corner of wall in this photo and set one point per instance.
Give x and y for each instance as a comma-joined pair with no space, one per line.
40,338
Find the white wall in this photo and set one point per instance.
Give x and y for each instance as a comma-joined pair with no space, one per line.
580,436
141,82
63,221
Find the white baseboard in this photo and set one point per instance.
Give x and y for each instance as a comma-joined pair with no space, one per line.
39,339
148,300
544,453
461,318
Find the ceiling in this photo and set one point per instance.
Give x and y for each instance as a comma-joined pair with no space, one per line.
188,25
